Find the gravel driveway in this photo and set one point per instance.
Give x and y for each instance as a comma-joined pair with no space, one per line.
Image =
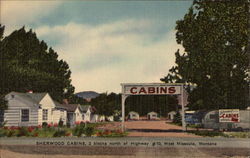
150,129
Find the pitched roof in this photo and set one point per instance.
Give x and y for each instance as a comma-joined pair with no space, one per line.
152,112
70,107
133,112
85,108
34,98
58,105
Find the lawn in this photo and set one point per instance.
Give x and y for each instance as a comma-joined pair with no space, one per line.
82,129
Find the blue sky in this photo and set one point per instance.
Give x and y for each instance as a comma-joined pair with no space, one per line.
104,42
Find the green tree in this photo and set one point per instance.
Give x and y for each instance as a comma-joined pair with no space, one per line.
215,36
145,104
107,104
3,103
28,64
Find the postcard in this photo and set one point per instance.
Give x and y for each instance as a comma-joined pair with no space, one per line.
124,78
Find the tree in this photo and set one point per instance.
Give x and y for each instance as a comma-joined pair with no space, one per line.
28,64
215,36
145,104
107,104
177,118
3,103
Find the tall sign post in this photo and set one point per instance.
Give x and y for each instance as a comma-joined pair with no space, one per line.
152,89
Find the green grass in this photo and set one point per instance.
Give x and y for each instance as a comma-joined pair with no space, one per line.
238,134
221,134
208,133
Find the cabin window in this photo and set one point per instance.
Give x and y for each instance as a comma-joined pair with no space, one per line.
133,115
45,114
25,115
153,115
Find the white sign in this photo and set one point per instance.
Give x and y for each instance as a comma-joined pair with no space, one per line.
151,89
229,115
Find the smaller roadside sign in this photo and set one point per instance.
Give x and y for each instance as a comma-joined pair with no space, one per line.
229,115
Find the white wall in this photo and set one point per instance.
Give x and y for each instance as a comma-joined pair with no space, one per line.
87,116
47,103
12,115
78,115
134,115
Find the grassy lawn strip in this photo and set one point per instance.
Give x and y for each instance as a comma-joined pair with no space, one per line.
89,129
221,134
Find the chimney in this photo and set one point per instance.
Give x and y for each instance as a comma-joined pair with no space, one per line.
65,101
30,91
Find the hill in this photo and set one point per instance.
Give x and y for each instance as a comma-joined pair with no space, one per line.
87,94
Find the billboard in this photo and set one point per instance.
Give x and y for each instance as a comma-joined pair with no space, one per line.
229,115
151,89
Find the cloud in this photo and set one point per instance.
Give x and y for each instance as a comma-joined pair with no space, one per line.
103,56
15,14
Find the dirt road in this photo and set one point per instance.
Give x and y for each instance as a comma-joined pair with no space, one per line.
150,129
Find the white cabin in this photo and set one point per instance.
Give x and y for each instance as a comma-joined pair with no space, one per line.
32,109
133,115
152,116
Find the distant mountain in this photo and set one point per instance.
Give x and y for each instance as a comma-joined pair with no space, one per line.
87,94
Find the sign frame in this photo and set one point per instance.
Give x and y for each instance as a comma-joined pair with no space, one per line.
229,118
125,95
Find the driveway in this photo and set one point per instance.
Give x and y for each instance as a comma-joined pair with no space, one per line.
150,129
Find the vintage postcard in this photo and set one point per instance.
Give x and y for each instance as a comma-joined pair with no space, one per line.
124,78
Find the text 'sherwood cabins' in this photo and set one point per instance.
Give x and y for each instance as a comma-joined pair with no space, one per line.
32,109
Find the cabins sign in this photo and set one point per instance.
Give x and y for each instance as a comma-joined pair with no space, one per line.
229,115
151,89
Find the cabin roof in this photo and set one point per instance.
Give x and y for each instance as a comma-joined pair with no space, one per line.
70,107
85,108
133,112
34,98
152,112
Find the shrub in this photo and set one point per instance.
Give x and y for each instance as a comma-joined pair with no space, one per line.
35,134
45,124
59,133
78,130
2,132
55,125
10,133
88,131
68,125
177,118
23,131
60,123
209,133
30,129
109,133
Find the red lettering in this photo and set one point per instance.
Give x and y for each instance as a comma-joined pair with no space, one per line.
142,90
157,90
163,90
171,90
132,90
151,90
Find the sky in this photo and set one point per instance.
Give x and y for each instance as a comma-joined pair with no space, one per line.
105,43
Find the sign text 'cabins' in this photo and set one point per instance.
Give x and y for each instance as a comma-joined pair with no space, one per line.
151,90
229,115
